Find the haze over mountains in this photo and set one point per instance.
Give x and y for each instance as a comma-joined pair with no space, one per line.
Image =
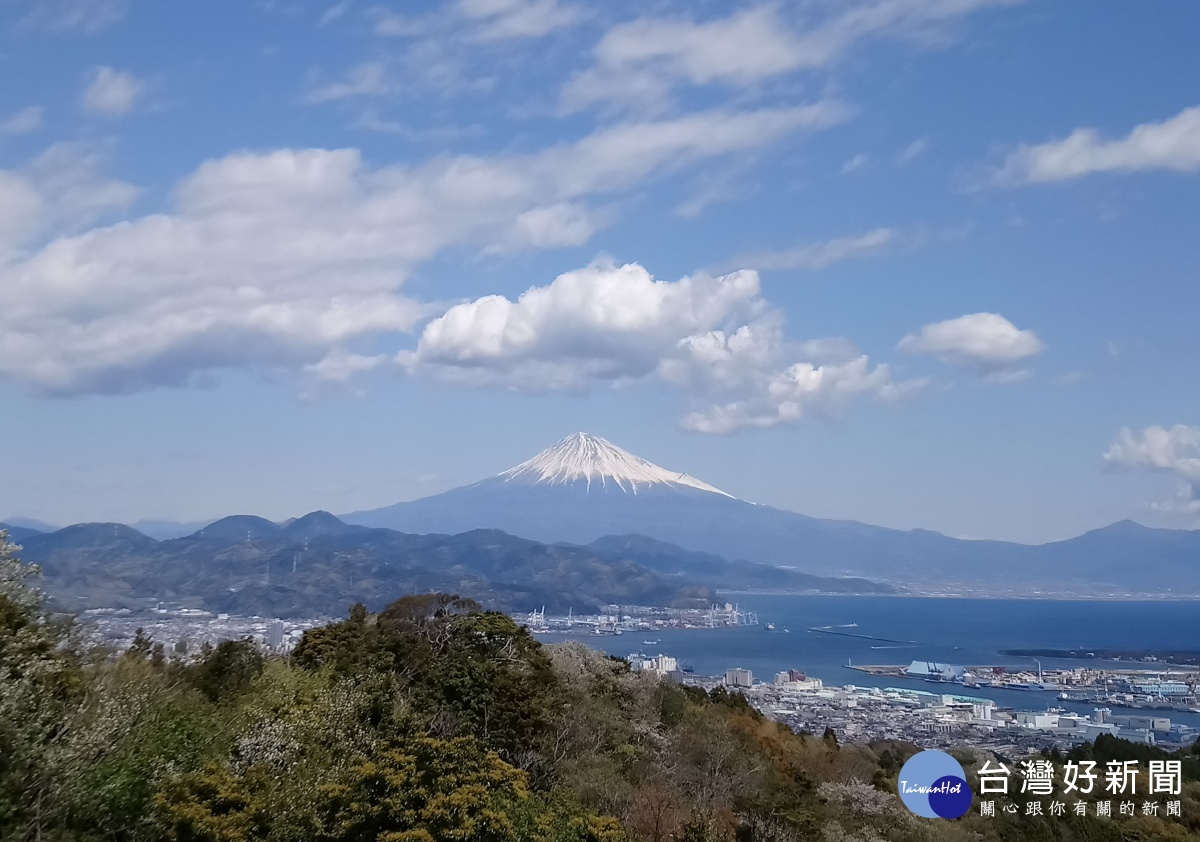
319,564
584,487
580,524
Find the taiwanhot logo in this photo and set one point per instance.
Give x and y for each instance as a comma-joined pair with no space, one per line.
932,784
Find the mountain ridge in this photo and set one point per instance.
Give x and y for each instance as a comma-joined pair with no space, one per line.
699,520
317,564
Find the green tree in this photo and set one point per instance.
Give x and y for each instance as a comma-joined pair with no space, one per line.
226,670
41,681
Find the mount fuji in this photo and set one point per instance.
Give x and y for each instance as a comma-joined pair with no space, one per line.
581,488
585,488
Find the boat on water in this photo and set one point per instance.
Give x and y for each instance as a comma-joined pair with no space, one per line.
770,627
651,642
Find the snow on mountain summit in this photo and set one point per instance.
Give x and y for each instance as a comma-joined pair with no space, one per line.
588,458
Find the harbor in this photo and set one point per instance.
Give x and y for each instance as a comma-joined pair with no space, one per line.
1133,689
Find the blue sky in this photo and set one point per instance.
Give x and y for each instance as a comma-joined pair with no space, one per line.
921,263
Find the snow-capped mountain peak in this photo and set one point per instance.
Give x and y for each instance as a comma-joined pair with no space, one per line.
591,459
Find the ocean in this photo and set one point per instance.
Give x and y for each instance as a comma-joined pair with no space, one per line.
949,630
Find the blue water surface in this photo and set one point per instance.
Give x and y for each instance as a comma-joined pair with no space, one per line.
952,630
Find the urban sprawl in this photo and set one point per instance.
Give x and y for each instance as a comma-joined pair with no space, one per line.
931,718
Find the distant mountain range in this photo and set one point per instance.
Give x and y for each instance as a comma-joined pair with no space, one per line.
319,564
584,501
583,488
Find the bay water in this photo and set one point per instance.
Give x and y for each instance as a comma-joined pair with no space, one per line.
963,631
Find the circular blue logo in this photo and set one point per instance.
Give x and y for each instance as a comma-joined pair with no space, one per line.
933,785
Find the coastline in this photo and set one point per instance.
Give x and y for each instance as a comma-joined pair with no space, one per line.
1052,597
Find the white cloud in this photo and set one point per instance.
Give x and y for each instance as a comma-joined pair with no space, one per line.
987,341
641,61
1173,450
340,366
553,226
392,25
22,122
911,152
801,391
60,191
501,19
335,12
603,322
442,134
715,338
369,79
1186,501
281,259
1173,144
856,163
819,255
713,186
112,93
86,16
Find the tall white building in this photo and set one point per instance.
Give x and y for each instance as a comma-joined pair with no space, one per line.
739,677
275,635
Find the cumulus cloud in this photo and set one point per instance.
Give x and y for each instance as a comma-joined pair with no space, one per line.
286,259
987,341
603,322
112,93
819,255
1172,450
1172,144
642,60
22,122
715,338
800,391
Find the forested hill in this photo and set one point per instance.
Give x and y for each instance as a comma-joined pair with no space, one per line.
434,721
318,565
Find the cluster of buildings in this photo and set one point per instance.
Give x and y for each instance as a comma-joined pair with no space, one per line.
622,619
935,720
1158,689
184,631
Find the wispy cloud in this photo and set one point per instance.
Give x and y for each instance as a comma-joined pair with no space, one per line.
818,255
83,16
856,163
911,152
497,20
22,122
1173,144
365,80
640,62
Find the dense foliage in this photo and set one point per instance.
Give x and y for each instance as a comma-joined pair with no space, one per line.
431,720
